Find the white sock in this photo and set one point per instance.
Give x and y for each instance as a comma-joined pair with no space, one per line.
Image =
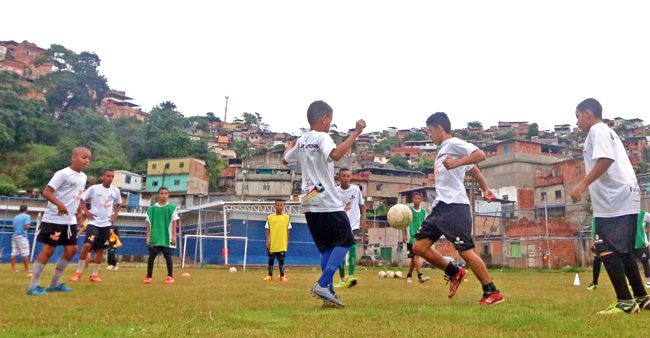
81,265
96,269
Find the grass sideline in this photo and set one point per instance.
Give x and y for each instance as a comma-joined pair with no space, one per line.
214,302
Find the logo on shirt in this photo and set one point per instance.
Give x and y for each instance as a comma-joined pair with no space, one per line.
309,147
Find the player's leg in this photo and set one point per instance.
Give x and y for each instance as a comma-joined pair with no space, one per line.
629,260
476,263
99,258
39,265
14,253
644,256
111,259
352,259
167,254
69,250
281,257
12,261
595,273
153,253
269,266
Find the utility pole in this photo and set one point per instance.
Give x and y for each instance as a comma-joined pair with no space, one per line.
225,113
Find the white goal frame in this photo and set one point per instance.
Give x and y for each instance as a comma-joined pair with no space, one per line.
225,239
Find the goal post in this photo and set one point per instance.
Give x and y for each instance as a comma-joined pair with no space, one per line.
225,247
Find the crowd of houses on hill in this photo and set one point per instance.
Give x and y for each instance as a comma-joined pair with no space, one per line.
531,175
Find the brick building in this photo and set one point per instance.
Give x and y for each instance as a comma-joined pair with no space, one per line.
117,105
19,58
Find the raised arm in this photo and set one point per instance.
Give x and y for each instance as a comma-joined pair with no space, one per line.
343,148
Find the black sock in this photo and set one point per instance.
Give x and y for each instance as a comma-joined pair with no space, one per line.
490,288
646,267
451,269
420,274
281,263
633,275
597,263
409,275
616,270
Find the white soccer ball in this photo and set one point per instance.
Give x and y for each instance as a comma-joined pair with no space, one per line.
398,274
390,274
232,269
382,274
399,216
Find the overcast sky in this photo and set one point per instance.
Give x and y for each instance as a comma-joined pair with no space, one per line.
391,63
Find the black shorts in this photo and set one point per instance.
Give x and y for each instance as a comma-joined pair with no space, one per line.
279,255
452,220
642,254
54,234
329,229
409,250
97,237
615,234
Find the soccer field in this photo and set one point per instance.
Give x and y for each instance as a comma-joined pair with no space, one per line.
216,303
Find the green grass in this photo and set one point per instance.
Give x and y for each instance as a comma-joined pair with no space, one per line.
214,302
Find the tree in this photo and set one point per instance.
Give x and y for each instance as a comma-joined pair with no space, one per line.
214,164
533,130
212,118
386,144
254,119
415,137
424,163
398,162
7,186
241,148
505,134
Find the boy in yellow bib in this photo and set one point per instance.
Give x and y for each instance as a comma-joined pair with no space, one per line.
277,239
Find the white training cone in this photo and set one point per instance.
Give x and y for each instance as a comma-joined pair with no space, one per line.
576,281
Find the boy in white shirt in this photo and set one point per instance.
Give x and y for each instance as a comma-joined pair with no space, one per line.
328,224
615,200
451,215
59,224
105,201
353,206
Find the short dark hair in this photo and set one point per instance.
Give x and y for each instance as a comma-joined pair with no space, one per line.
344,169
440,119
318,109
416,194
23,208
593,106
107,170
163,188
279,200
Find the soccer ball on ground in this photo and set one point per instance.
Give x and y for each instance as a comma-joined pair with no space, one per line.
382,274
398,274
399,216
232,269
390,274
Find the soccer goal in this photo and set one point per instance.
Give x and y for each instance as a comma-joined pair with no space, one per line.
215,249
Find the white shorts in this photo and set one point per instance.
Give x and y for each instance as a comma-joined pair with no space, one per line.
19,246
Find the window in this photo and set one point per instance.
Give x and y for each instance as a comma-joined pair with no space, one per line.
181,165
154,183
543,196
506,149
558,194
153,166
379,186
166,165
177,182
266,186
127,179
515,249
505,197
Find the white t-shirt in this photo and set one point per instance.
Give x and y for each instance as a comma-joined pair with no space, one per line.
313,150
352,204
68,187
450,184
102,202
616,192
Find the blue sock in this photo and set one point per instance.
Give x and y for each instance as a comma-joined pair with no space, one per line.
336,258
324,258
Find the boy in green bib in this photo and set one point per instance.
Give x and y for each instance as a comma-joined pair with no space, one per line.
162,221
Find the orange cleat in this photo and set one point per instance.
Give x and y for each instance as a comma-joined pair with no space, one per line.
75,277
283,279
95,279
169,280
147,280
268,278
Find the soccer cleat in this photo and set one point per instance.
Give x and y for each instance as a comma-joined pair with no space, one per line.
75,277
95,279
110,267
36,291
283,279
115,268
491,298
647,285
147,280
268,278
169,280
644,302
620,307
352,281
422,279
340,284
455,280
409,280
326,295
59,288
592,287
